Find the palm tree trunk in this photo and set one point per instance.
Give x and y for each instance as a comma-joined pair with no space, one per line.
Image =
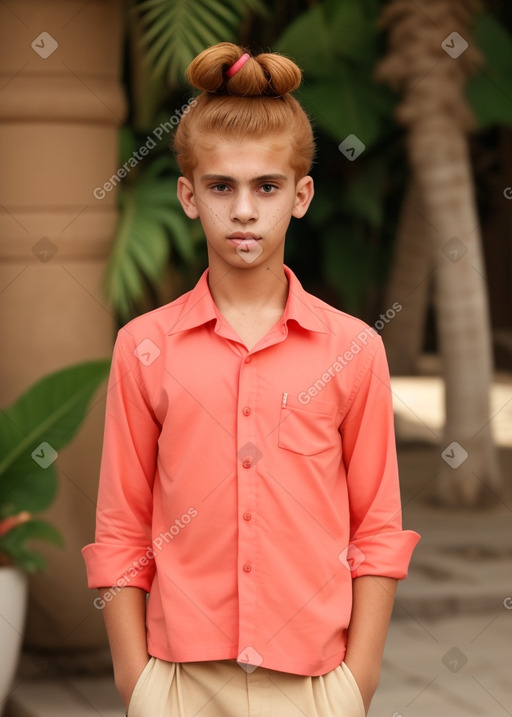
409,284
444,175
430,64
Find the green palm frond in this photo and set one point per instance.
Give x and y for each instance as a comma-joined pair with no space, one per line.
152,223
33,429
178,30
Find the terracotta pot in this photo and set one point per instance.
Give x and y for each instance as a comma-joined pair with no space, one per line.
13,607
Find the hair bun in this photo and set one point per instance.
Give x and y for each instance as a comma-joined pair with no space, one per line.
268,74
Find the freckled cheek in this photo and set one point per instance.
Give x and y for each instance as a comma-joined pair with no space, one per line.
279,218
213,216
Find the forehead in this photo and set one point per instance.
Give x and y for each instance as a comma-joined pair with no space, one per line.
243,157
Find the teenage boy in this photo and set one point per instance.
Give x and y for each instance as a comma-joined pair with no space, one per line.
249,481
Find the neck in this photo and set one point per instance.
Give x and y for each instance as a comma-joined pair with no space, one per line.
257,288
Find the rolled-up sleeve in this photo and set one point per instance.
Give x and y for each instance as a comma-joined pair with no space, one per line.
121,554
378,544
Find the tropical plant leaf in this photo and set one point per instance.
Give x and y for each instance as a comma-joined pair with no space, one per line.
494,41
347,265
308,40
351,24
344,103
14,543
491,100
490,92
151,250
363,195
27,486
25,558
49,412
32,530
175,222
337,43
331,33
175,32
152,223
127,144
32,431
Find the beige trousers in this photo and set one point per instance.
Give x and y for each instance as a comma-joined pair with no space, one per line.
223,688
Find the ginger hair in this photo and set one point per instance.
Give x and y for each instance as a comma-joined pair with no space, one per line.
255,102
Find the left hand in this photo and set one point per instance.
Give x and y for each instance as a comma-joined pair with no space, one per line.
366,683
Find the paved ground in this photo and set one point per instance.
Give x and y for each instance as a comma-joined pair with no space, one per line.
449,650
452,667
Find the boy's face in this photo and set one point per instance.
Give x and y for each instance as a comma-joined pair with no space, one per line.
245,193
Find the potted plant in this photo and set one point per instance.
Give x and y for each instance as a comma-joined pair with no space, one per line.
32,431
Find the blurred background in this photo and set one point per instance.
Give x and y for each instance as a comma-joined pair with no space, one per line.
410,230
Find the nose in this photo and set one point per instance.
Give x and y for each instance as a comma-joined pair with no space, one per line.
243,207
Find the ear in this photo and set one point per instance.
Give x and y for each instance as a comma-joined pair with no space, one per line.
304,191
187,197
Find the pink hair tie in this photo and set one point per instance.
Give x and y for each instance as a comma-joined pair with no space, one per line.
237,65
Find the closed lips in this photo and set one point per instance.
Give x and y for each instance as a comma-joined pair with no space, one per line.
245,239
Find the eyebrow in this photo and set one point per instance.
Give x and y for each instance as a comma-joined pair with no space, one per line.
232,180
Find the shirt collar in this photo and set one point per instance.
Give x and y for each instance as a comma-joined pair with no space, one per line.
198,307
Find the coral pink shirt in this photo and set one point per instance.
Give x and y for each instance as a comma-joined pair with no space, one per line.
244,490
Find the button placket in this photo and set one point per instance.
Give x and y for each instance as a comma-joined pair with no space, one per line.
248,456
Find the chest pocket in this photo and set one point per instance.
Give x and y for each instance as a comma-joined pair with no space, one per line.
307,429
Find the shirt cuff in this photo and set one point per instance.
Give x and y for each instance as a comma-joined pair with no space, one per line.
119,566
387,554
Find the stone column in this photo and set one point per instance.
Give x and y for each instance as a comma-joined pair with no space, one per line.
61,104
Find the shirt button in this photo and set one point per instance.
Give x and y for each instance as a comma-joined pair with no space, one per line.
247,516
247,462
248,359
247,568
246,411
